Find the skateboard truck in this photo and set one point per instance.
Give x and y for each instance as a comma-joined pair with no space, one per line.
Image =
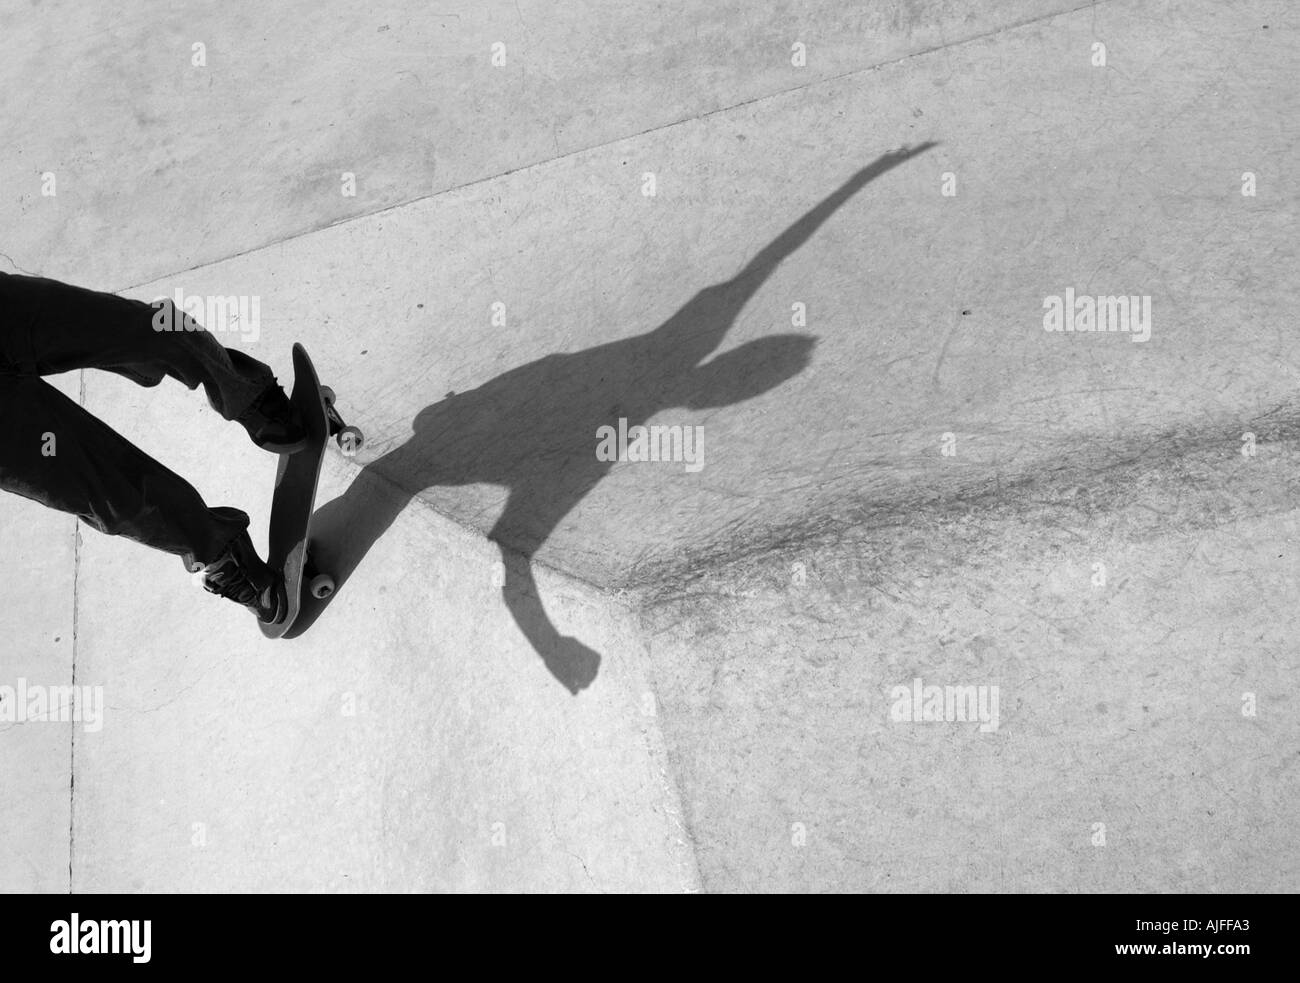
348,438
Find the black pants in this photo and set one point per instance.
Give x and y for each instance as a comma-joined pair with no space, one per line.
53,451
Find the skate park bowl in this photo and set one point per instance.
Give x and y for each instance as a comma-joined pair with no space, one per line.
733,515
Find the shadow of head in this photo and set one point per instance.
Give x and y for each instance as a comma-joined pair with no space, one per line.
745,372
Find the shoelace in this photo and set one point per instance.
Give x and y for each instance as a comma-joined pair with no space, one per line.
230,581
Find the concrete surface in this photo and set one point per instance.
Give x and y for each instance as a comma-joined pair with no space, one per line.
690,684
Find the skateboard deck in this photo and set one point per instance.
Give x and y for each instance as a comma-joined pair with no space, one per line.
296,478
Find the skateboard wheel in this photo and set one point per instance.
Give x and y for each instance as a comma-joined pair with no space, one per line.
322,585
350,439
327,394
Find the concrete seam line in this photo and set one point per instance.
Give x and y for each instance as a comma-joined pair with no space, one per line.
72,730
1090,4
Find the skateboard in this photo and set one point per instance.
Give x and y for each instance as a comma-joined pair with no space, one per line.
296,477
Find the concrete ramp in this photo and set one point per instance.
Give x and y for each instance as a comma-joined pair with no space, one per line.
411,741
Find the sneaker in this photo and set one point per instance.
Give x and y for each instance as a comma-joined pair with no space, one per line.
273,423
240,575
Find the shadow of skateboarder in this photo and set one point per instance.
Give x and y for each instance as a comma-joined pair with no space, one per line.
533,429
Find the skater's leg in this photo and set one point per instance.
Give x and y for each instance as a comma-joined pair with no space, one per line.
53,451
47,327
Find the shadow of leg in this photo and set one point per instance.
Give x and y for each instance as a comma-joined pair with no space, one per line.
571,662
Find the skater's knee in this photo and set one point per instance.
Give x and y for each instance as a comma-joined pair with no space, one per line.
167,317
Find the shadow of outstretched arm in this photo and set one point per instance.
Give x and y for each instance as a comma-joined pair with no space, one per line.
699,326
745,283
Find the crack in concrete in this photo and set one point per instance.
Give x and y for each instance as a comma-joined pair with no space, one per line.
72,741
10,260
